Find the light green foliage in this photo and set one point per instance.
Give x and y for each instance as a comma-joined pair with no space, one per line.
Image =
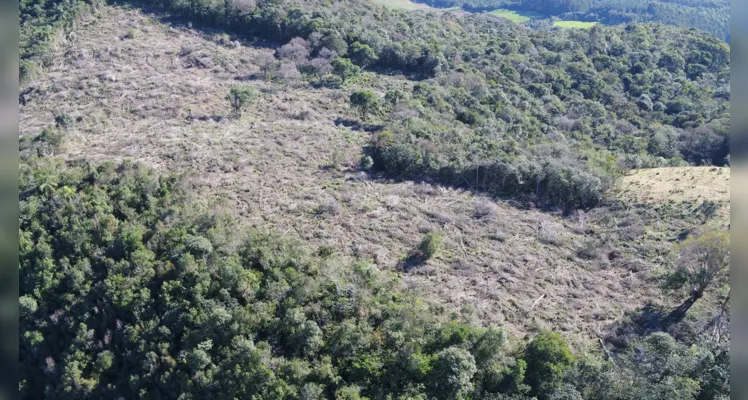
574,24
345,69
366,162
514,16
239,97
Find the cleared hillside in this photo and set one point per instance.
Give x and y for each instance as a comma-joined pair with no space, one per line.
286,165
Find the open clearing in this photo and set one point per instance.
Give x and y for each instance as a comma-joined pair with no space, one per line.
679,185
400,4
515,16
574,24
408,5
286,165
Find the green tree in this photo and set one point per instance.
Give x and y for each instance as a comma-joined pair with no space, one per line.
548,356
345,69
451,377
363,54
365,101
239,97
704,261
430,245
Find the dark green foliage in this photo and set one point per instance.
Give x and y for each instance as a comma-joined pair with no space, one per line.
64,121
363,54
365,101
712,16
548,357
126,292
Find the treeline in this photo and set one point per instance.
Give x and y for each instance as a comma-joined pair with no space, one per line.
710,16
126,291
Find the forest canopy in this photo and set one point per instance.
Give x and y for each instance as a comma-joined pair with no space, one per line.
711,16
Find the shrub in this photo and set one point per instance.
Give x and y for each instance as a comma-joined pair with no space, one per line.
239,97
366,162
430,245
345,69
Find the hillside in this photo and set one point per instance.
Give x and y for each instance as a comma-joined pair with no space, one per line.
286,166
711,16
171,247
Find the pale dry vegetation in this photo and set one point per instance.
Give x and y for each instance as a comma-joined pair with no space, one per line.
679,185
155,92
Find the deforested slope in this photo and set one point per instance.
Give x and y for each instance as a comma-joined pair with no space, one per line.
139,182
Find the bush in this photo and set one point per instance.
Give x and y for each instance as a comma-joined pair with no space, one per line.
366,162
430,245
345,69
239,98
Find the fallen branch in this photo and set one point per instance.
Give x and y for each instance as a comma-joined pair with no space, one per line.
536,301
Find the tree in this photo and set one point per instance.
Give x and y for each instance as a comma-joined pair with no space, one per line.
345,69
239,97
363,54
704,260
451,377
365,101
548,356
297,50
336,44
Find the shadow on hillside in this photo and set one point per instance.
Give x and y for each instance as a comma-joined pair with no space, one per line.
166,17
357,125
643,322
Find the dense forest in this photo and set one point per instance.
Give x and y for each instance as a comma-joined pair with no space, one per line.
129,291
711,16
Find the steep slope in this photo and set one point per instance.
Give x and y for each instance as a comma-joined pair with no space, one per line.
134,79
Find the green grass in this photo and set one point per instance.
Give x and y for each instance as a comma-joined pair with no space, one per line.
515,16
574,24
407,5
400,4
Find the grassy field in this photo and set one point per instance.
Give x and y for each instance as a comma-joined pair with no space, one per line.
400,4
573,24
681,185
514,16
